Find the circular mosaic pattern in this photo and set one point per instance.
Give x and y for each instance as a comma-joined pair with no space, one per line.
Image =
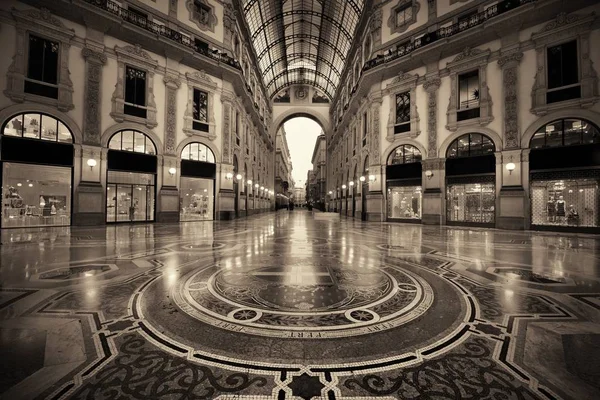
307,301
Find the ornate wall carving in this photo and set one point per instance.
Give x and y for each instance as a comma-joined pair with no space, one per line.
402,83
509,64
374,148
172,84
200,80
95,60
226,131
431,86
43,23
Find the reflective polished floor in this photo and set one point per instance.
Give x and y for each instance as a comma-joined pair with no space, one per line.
292,305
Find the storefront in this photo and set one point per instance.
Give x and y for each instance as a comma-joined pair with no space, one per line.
37,171
564,166
197,187
131,178
471,181
403,183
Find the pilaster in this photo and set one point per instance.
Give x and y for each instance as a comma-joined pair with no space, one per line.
434,175
172,83
509,63
94,61
431,86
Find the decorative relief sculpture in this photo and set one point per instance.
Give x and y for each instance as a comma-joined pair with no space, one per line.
509,64
172,84
95,60
431,86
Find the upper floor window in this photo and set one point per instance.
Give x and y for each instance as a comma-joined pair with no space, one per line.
200,113
563,72
202,13
403,14
565,132
133,141
404,154
42,69
468,96
402,112
37,126
197,152
135,92
470,145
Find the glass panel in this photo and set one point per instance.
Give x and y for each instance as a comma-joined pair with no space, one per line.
210,157
565,202
572,134
35,195
404,202
127,141
14,127
453,150
130,177
32,126
111,202
539,139
115,141
472,203
150,203
463,146
468,86
139,142
194,151
590,133
49,127
139,202
124,205
402,107
64,134
150,148
554,134
196,201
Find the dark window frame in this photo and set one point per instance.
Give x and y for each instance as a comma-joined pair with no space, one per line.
477,152
41,114
417,156
146,140
543,129
42,84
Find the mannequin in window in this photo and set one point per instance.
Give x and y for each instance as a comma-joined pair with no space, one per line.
551,209
560,208
572,216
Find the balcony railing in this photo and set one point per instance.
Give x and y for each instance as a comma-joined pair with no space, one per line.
164,31
414,44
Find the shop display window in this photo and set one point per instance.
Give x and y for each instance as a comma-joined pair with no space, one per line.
196,199
565,202
471,203
404,202
197,152
129,197
133,141
35,195
38,126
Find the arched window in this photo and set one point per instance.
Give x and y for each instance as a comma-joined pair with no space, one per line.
197,152
133,141
405,154
565,132
470,145
37,126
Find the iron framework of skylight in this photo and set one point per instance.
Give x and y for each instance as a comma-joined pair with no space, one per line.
302,41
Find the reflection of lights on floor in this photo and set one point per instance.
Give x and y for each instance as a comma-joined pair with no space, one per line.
88,274
508,292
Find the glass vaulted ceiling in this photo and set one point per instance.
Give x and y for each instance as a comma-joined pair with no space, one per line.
302,41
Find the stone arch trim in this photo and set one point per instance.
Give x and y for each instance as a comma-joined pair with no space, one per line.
203,141
400,142
589,115
131,126
15,109
308,112
463,131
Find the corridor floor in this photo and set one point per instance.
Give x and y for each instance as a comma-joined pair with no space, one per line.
286,306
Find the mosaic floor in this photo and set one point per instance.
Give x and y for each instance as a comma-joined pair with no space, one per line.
286,306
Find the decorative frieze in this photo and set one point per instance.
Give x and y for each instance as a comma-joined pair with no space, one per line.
431,86
509,64
94,61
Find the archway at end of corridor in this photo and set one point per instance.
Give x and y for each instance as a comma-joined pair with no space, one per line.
300,160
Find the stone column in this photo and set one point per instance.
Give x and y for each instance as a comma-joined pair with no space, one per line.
433,212
375,195
89,200
226,196
431,86
512,200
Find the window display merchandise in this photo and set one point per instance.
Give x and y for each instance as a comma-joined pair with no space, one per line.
404,202
129,197
471,203
565,202
35,195
197,199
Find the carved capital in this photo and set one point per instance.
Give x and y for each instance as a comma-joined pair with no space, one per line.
93,56
510,59
432,84
172,82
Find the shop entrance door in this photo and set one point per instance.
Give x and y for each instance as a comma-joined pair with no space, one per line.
129,202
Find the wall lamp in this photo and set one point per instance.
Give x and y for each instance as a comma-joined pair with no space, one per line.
344,187
172,171
249,182
510,167
362,178
257,185
330,192
91,163
429,174
229,176
351,183
239,177
371,178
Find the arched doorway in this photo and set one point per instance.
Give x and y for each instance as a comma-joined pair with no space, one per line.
565,176
471,181
404,185
364,189
36,171
131,177
197,185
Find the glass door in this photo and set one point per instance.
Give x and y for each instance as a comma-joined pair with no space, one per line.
124,205
111,202
139,202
